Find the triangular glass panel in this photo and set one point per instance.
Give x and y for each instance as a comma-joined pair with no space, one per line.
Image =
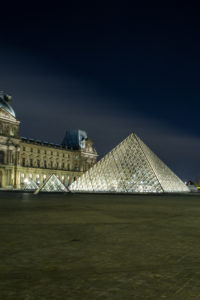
169,181
30,185
131,167
52,184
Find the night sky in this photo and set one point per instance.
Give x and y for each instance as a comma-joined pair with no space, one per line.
107,69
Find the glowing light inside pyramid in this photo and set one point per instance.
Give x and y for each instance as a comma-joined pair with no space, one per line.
52,184
130,167
30,185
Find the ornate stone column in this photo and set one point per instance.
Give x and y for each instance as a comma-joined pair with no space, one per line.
16,173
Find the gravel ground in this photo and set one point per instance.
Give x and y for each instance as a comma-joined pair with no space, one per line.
79,246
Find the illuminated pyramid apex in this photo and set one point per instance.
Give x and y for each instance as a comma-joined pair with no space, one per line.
130,167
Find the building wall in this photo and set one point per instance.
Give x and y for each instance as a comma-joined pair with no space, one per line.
26,159
38,162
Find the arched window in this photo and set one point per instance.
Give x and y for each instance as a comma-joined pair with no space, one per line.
1,157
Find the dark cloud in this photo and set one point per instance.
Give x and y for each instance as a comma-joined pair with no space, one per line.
109,71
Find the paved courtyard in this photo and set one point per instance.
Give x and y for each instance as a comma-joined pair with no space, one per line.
99,247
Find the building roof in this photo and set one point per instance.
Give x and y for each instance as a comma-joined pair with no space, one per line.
75,139
4,103
44,143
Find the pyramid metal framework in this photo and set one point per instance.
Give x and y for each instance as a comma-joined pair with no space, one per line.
130,167
30,186
52,184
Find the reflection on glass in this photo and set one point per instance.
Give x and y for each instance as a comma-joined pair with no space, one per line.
130,167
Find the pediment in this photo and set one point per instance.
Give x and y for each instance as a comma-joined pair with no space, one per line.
5,115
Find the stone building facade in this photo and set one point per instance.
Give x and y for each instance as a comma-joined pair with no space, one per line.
24,159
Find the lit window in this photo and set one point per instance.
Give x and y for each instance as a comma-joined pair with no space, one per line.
11,131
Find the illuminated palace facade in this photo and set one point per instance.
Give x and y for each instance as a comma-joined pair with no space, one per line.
23,159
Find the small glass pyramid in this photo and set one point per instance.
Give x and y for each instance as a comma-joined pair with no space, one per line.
52,184
130,167
30,186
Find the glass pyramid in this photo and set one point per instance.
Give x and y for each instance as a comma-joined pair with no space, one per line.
130,167
30,186
52,184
